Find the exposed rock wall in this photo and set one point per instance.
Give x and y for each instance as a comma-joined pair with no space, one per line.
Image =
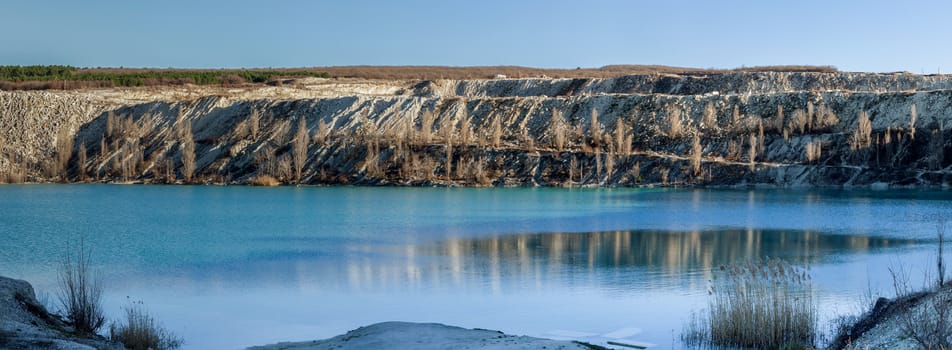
785,129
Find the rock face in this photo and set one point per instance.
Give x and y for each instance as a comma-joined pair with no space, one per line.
25,323
424,336
778,129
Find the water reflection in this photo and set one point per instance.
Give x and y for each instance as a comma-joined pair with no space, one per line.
615,259
689,250
644,254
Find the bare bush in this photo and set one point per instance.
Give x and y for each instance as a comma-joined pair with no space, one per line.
735,115
861,138
466,131
300,146
64,151
557,128
253,120
912,121
140,331
573,164
812,151
696,150
447,129
811,112
426,126
496,131
80,292
81,162
372,159
733,150
187,146
752,151
673,122
595,130
598,164
825,118
798,121
928,323
283,167
323,130
623,137
709,116
936,149
110,124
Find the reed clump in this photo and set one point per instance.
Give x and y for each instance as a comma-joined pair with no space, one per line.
764,304
140,331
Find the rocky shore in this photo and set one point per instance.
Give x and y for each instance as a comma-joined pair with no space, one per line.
26,324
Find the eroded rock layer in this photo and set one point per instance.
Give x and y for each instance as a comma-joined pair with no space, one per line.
784,129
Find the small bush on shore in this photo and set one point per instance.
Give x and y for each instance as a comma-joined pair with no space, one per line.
80,292
264,180
141,332
761,304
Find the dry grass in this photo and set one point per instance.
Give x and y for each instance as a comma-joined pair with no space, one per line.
762,304
264,180
141,332
80,293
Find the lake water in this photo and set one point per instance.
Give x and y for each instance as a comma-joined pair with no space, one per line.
229,267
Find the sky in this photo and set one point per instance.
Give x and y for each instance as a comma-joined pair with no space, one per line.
873,35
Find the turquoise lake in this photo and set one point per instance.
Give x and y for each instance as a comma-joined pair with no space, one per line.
230,267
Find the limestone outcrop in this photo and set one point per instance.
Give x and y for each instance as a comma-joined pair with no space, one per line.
734,129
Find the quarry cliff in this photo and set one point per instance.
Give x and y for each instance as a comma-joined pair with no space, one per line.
734,129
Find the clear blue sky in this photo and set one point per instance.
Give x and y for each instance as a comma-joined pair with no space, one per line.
851,35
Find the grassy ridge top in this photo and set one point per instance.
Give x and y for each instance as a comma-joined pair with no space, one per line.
68,77
488,72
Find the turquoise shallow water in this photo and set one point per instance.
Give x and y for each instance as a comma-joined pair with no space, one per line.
228,267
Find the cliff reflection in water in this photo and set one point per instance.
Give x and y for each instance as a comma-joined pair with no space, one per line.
648,256
614,259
